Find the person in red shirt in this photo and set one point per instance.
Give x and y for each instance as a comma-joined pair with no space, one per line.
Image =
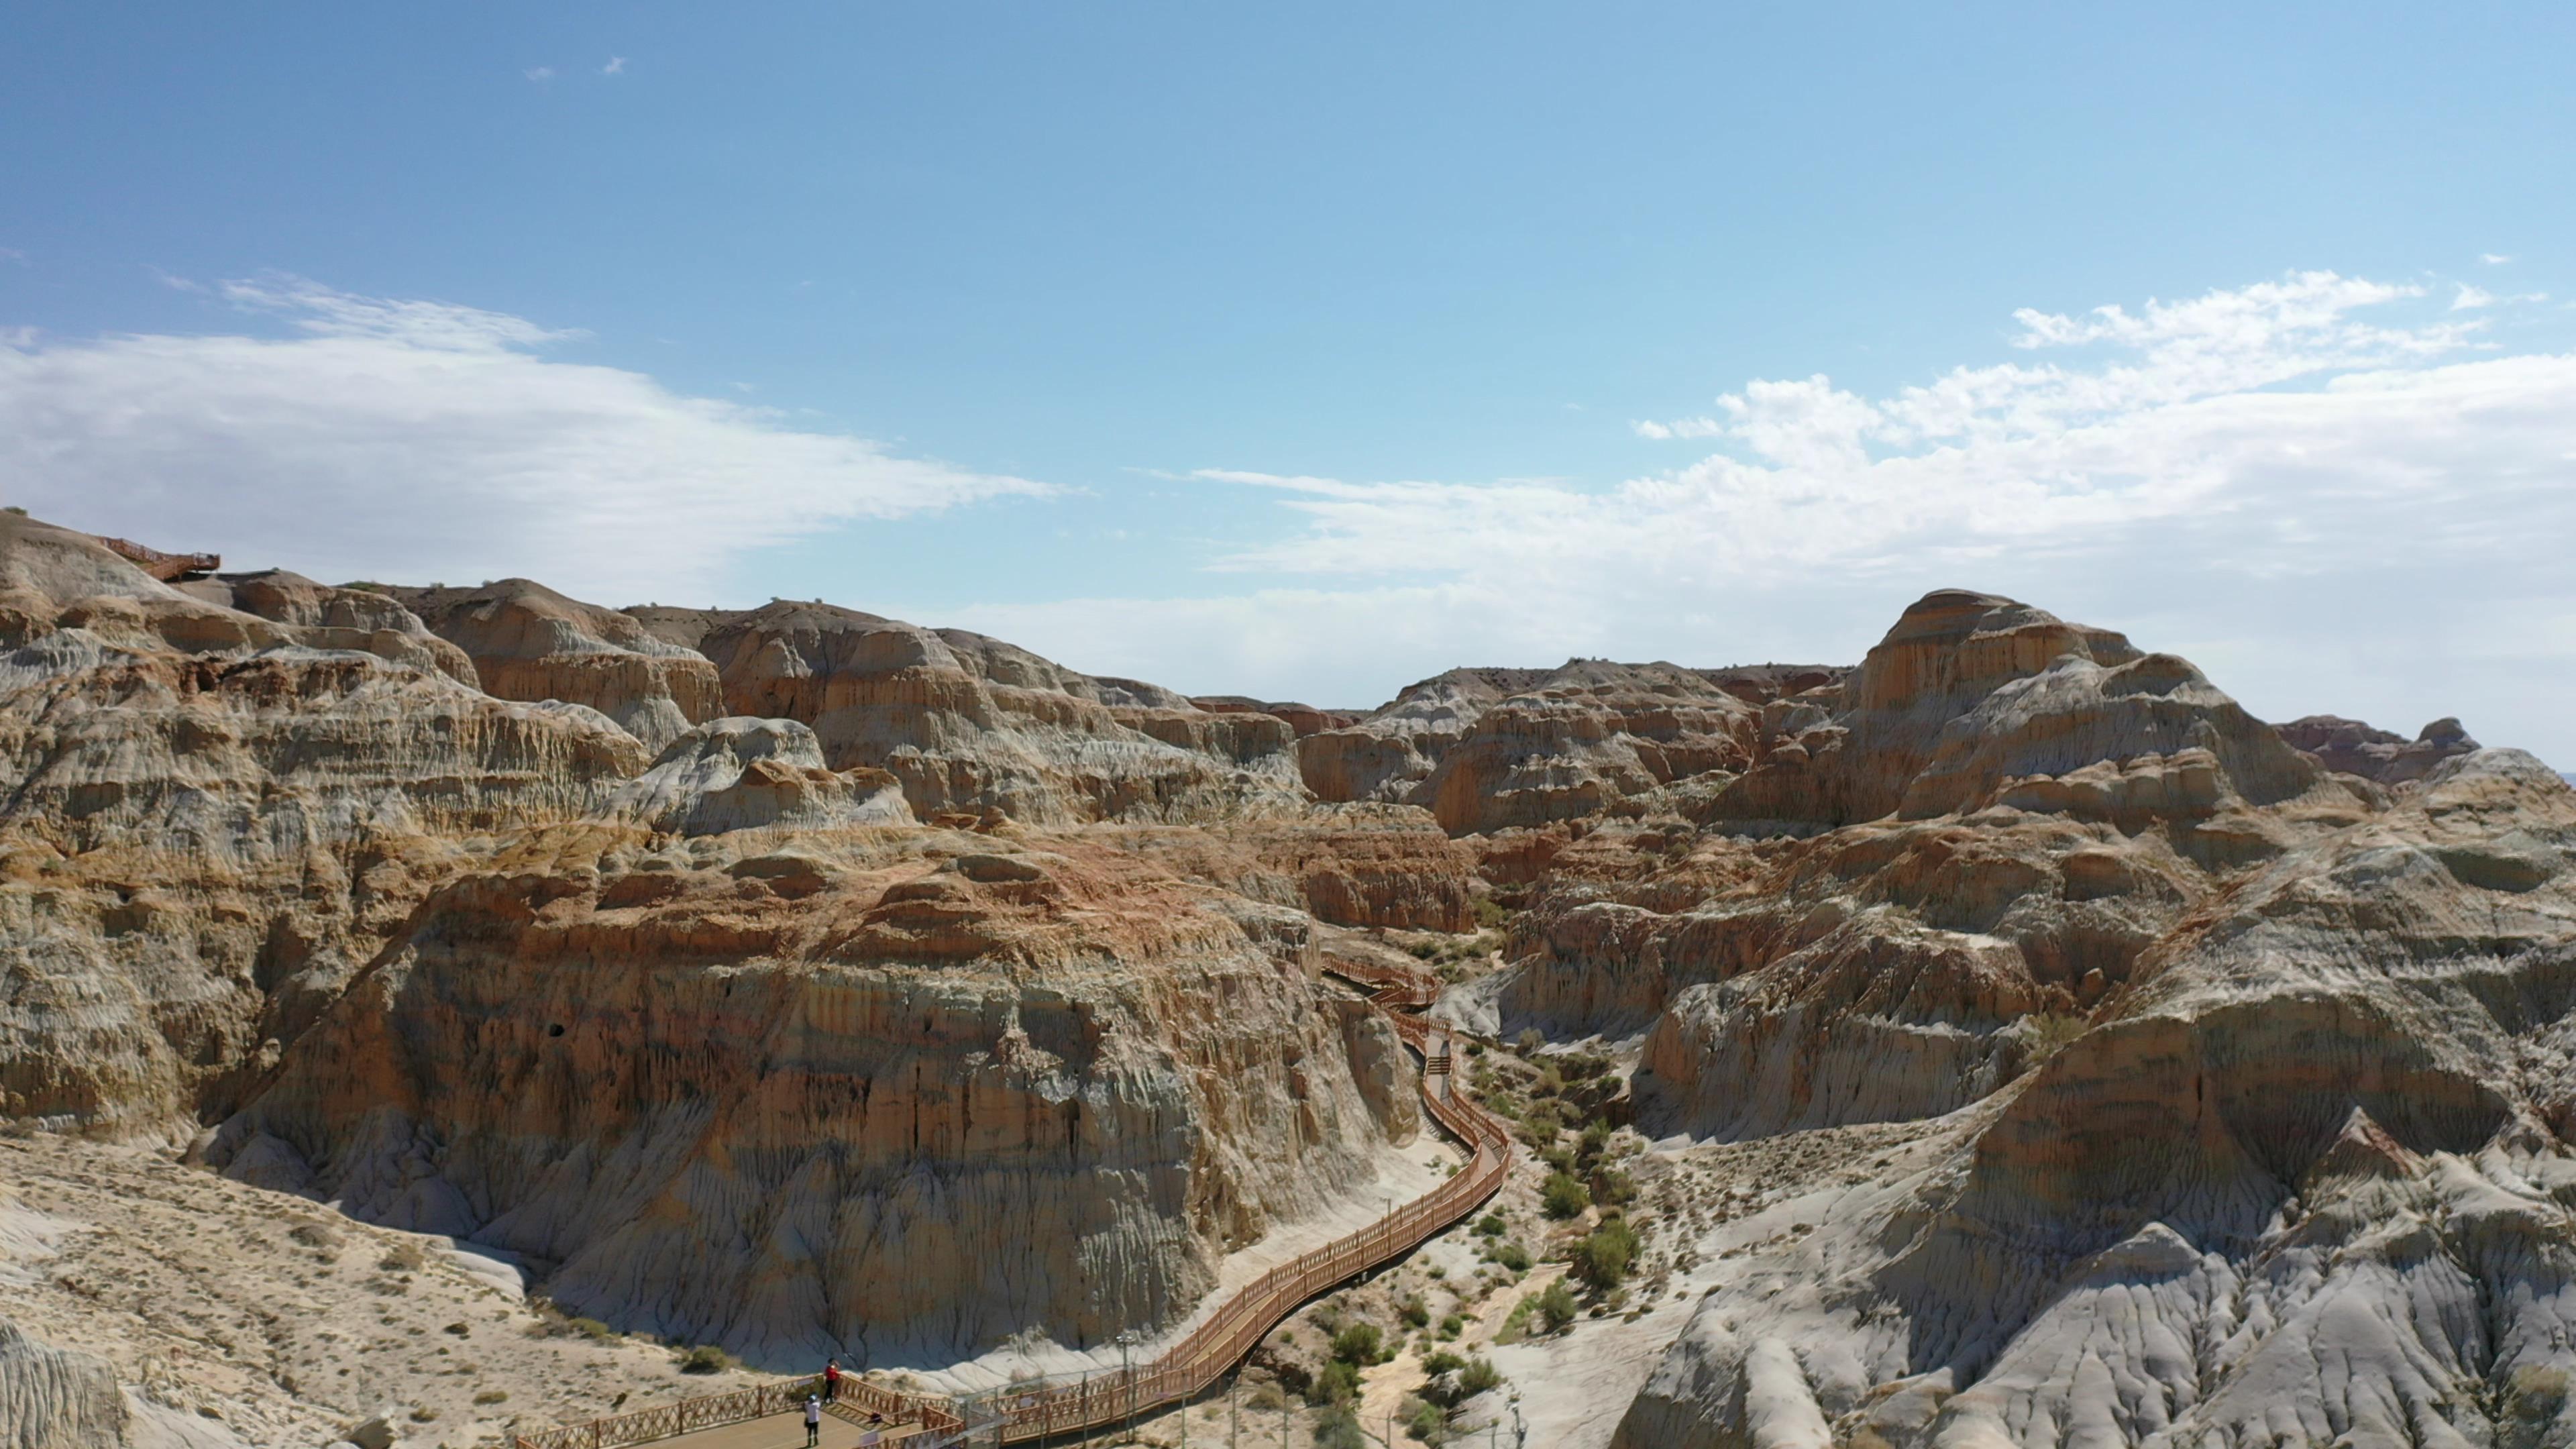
831,1379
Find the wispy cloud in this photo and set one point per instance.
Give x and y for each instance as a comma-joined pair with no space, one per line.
409,439
12,254
2471,298
539,72
2314,486
2493,259
616,66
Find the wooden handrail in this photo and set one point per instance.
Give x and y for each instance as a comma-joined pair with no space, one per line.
1185,1370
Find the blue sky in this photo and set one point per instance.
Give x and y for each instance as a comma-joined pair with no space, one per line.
1017,318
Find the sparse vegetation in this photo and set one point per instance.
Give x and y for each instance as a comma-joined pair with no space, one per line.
591,1328
706,1358
1603,1257
1512,1256
2049,1032
1339,1383
403,1258
1336,1427
492,1396
1360,1344
1556,1305
1563,1196
1490,1225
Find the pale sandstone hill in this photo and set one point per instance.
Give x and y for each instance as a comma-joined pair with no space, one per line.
971,724
530,643
1489,750
2307,1177
210,824
864,1095
2357,749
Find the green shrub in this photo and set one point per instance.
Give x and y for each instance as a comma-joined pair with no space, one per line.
1563,1195
1415,1311
1612,1187
1603,1258
1490,913
1556,1305
1427,1424
1529,1041
1339,1383
493,1396
1478,1376
1512,1256
1440,1362
706,1358
1452,1325
592,1329
1338,1428
1490,1225
1358,1344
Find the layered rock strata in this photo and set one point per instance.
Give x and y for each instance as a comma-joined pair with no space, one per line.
530,643
883,1100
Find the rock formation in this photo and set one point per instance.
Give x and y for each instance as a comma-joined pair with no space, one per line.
752,974
801,1101
53,1398
2357,749
530,643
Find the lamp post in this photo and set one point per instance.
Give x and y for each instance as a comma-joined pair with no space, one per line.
1127,1371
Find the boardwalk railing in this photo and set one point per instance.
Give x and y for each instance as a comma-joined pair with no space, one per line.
1186,1369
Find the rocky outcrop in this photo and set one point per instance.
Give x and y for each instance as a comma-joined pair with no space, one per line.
199,844
2305,1175
882,1100
753,774
530,643
1491,749
52,1398
1304,719
971,724
2355,748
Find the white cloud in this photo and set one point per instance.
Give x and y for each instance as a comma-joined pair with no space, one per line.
12,254
616,66
2318,487
539,73
413,440
2471,298
2493,259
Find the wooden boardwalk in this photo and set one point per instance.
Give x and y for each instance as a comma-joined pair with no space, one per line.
1183,1371
787,1431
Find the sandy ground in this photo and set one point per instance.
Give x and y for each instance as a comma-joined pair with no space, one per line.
246,1317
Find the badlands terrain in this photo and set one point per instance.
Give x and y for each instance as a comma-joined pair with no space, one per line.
433,1013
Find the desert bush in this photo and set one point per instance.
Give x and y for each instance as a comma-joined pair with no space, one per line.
1604,1256
403,1258
1427,1424
1563,1195
1529,1041
1478,1376
1556,1305
591,1328
1512,1256
1360,1344
706,1358
1490,1225
493,1396
1415,1311
1452,1325
1337,1427
1339,1383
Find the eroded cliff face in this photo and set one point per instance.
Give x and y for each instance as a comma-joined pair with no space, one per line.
2306,1175
970,724
753,974
530,643
892,1095
200,844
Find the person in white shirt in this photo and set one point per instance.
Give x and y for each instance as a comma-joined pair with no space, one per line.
813,1421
